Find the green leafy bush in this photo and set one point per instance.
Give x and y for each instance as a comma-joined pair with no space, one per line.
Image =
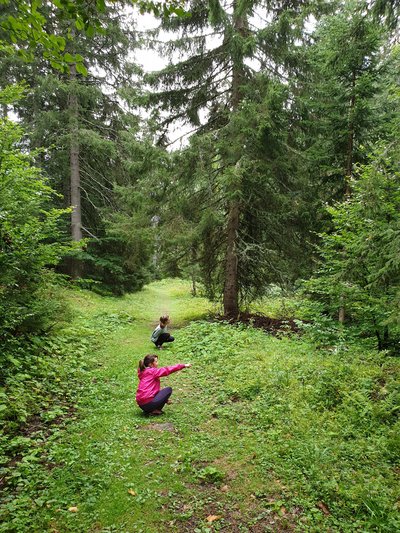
30,239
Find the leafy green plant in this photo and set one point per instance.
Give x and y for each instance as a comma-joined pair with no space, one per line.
279,430
210,474
30,243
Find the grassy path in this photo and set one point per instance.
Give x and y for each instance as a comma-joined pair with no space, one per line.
111,458
120,472
264,434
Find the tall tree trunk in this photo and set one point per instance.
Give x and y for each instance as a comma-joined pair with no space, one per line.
231,287
76,215
193,270
231,284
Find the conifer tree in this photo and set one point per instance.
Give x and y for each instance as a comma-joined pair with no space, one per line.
388,10
210,88
79,121
360,257
345,63
346,67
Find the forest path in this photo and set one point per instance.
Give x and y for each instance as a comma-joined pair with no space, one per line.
121,471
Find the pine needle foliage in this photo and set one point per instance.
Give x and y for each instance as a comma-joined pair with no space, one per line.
226,79
361,257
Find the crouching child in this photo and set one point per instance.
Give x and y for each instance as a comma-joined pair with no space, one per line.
150,397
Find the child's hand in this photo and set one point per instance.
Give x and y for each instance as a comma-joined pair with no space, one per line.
187,365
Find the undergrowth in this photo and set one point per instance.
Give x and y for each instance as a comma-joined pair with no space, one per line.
38,398
326,425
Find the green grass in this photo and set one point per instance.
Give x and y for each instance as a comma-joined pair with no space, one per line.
268,434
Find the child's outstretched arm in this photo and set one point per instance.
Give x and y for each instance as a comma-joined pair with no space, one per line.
167,370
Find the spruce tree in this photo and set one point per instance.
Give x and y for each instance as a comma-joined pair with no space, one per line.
211,89
345,66
341,114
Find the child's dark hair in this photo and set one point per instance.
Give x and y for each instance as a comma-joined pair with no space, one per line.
147,361
164,319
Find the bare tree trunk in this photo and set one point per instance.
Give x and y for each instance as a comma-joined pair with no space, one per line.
231,284
231,288
194,288
76,215
194,262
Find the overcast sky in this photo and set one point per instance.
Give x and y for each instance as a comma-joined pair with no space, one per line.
151,60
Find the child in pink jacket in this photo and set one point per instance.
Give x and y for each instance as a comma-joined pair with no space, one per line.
149,397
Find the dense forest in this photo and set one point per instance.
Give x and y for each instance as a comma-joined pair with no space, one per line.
262,159
290,115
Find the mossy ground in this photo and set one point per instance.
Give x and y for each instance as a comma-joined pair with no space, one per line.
264,433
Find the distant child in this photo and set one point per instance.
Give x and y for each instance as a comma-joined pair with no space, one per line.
149,397
160,334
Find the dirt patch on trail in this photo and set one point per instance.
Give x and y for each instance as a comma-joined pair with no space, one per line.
166,426
274,326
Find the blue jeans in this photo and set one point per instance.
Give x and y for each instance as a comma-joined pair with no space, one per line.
158,402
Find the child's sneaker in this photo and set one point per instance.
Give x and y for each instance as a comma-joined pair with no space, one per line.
156,412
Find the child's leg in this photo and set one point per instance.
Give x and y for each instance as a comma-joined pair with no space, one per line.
158,402
162,397
170,338
162,338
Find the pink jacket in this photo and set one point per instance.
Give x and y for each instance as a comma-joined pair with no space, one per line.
149,381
